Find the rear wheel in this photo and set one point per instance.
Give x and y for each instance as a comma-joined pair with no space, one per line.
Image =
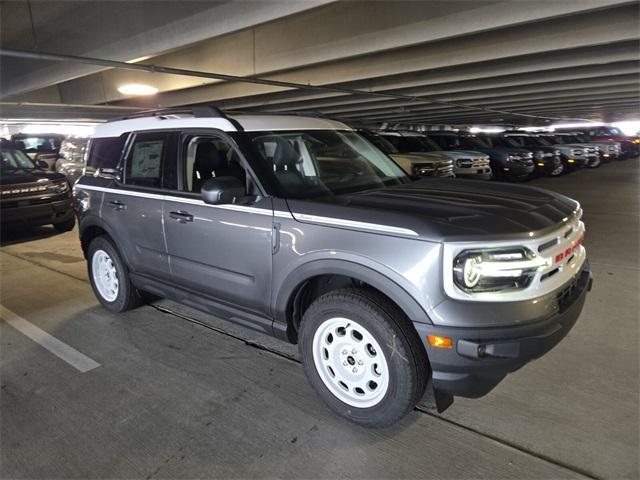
363,356
109,277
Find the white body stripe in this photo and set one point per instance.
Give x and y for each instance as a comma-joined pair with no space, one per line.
302,217
340,222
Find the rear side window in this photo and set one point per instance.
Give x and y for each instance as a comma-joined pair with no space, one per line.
105,152
146,161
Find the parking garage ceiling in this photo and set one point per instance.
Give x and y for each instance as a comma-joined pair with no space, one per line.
438,62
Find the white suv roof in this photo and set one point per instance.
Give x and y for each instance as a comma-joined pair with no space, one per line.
250,123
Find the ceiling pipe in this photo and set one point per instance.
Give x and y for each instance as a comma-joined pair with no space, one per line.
56,57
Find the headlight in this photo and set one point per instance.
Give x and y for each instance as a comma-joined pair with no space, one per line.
496,270
60,187
423,170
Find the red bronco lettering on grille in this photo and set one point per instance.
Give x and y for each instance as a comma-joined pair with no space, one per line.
569,251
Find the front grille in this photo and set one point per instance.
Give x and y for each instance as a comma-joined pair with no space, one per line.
24,189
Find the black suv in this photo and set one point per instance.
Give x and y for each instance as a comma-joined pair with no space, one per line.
548,160
507,163
31,196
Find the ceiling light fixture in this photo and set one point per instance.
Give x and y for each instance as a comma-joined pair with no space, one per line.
137,89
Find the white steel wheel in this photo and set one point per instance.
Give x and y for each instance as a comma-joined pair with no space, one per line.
105,275
350,362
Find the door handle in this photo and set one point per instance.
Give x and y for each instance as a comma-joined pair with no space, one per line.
181,216
117,205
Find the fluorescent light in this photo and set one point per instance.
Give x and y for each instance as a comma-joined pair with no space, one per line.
82,130
486,129
137,89
628,127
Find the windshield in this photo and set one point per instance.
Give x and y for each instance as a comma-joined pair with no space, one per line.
614,131
548,140
315,163
518,141
382,143
410,144
39,143
502,142
16,159
471,142
582,138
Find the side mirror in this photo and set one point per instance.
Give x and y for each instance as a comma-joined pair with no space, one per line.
222,190
42,164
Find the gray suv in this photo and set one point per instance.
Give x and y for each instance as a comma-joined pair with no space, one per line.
300,228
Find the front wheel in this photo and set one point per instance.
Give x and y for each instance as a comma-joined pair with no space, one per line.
594,163
363,356
559,170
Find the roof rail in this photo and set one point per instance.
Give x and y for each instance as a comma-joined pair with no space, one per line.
198,111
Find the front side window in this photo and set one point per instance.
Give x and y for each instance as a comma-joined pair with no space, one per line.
209,157
315,163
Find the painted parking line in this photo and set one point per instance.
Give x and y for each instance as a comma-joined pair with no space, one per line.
60,349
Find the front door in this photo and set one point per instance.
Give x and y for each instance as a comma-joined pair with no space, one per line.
220,251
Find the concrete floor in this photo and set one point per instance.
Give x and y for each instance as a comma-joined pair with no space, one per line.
177,399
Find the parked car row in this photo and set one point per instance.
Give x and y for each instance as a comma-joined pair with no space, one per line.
61,153
509,155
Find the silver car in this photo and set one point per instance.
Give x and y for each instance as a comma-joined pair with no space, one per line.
300,228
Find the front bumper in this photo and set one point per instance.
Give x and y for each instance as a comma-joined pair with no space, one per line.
547,166
481,357
34,212
517,170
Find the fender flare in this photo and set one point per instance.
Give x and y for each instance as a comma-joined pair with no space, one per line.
414,311
95,221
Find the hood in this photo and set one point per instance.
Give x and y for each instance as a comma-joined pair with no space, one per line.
436,157
15,177
455,154
437,210
498,151
579,145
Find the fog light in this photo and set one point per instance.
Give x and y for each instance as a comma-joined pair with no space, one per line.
440,342
605,155
571,160
540,164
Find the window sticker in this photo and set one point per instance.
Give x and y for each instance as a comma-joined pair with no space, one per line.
146,158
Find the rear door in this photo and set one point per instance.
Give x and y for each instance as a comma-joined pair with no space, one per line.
222,252
133,207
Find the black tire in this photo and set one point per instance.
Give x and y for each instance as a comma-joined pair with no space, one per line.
128,297
595,164
406,358
65,226
560,170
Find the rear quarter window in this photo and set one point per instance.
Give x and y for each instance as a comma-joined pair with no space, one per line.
105,152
